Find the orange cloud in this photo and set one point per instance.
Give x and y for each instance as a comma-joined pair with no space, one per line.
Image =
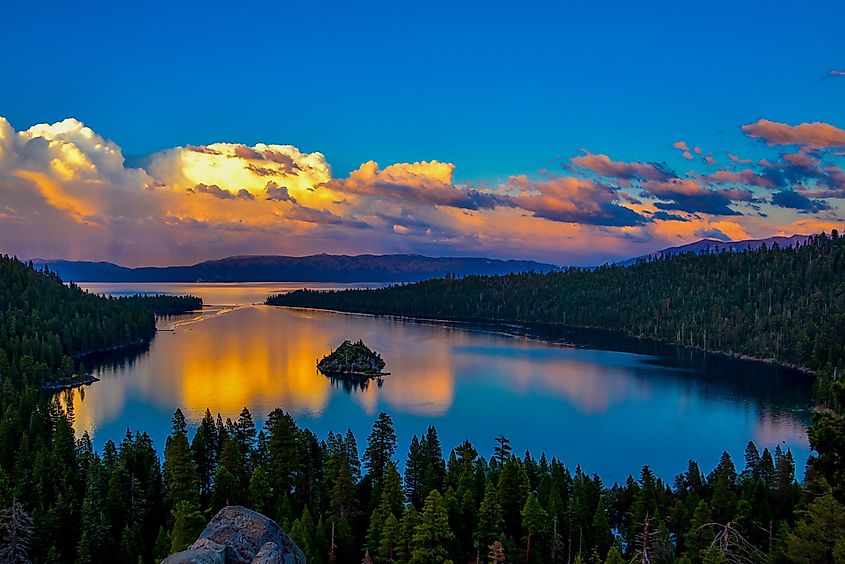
604,166
745,177
65,191
420,182
56,196
816,134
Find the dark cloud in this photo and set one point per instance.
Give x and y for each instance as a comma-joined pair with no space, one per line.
602,165
262,170
287,162
712,233
797,201
277,193
202,149
789,173
689,196
572,200
287,165
668,216
244,152
218,192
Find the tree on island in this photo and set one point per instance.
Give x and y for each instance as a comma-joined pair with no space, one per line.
352,359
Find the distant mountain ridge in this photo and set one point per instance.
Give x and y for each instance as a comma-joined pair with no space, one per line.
717,245
312,268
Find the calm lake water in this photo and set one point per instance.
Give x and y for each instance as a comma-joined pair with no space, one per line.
608,403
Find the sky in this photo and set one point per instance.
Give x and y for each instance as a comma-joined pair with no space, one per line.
573,133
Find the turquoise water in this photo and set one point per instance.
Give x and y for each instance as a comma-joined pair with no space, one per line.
608,403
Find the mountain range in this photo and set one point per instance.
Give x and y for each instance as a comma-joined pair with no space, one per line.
312,268
346,268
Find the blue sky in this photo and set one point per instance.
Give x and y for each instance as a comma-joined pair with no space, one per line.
496,89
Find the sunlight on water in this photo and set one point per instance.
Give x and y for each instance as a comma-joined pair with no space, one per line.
585,405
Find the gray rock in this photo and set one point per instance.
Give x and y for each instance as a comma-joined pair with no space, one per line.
237,535
204,551
270,553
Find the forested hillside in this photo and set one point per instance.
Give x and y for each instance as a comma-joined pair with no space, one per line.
165,304
61,501
771,303
46,325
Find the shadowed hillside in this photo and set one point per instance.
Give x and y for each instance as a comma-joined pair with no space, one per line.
785,304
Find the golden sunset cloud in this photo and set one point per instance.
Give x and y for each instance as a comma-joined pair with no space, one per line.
65,191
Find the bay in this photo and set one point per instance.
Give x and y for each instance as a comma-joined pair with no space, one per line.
609,403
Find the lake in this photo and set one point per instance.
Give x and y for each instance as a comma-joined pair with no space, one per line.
606,402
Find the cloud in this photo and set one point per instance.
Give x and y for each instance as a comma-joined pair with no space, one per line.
66,191
234,166
217,192
739,160
689,196
797,201
803,168
604,166
816,134
421,182
572,200
745,177
712,233
665,216
273,191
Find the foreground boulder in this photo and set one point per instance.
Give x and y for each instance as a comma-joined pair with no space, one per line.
237,535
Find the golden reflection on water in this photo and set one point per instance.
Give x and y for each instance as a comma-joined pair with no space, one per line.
262,358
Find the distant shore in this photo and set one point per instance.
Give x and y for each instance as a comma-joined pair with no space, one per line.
504,323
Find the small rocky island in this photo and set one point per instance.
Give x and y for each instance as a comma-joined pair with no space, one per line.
352,360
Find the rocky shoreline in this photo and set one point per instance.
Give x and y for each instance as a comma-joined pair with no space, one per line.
84,380
352,360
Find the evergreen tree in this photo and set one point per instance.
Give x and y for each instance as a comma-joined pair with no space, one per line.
163,545
381,447
415,472
820,535
205,450
180,471
260,491
188,523
93,544
389,544
502,452
489,517
434,473
281,451
432,536
407,529
227,489
245,434
601,535
614,556
512,493
535,521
